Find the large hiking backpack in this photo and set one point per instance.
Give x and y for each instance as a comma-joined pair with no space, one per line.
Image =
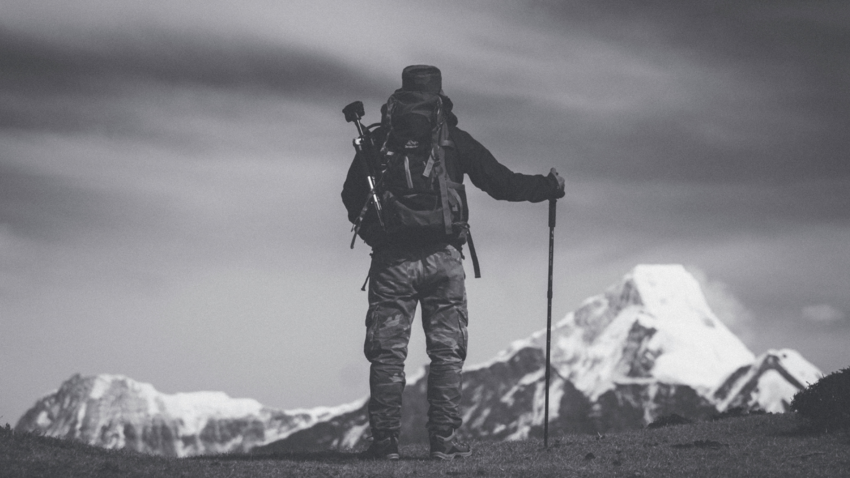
417,193
419,198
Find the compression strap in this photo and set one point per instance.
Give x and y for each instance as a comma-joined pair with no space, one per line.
442,174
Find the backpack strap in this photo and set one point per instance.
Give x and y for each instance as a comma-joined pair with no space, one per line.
442,136
472,254
443,141
444,197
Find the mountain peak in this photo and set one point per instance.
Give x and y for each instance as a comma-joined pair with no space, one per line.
652,325
669,289
767,383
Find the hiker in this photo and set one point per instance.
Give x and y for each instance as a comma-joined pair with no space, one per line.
417,251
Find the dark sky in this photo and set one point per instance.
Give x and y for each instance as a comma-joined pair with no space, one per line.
170,177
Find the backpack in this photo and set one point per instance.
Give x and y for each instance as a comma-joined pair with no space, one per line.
416,189
418,196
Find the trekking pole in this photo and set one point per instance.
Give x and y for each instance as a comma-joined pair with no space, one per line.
552,203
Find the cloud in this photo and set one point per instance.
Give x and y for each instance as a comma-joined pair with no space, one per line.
81,84
666,93
823,313
37,205
740,91
723,302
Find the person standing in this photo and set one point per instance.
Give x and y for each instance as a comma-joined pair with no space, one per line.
417,251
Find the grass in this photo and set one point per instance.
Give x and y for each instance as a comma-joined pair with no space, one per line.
751,446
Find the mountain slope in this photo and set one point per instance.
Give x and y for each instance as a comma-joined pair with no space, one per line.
113,411
768,383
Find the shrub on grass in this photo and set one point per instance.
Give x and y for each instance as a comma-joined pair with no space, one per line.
826,403
736,412
669,420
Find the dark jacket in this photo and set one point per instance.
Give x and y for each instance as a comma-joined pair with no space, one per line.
468,157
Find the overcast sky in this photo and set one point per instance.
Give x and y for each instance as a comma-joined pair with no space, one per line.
170,176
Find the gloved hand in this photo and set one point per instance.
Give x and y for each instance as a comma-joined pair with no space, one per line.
561,183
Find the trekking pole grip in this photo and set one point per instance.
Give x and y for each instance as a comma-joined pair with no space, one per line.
552,203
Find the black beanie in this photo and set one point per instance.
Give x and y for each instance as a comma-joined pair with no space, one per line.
424,78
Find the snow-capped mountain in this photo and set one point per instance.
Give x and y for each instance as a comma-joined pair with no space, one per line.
652,326
646,347
768,384
113,411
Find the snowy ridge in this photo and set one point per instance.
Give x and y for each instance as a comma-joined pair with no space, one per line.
115,411
324,413
768,383
507,353
195,409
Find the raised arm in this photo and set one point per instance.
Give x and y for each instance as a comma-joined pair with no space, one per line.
497,180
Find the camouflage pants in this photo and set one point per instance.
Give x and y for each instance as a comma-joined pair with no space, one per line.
434,278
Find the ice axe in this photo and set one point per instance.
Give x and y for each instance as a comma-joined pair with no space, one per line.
552,203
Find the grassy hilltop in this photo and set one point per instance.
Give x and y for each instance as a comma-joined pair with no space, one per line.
752,446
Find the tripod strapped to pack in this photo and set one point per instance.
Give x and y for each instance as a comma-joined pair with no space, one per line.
365,148
410,191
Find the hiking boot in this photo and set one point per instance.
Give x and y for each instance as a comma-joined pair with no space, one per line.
382,449
448,447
